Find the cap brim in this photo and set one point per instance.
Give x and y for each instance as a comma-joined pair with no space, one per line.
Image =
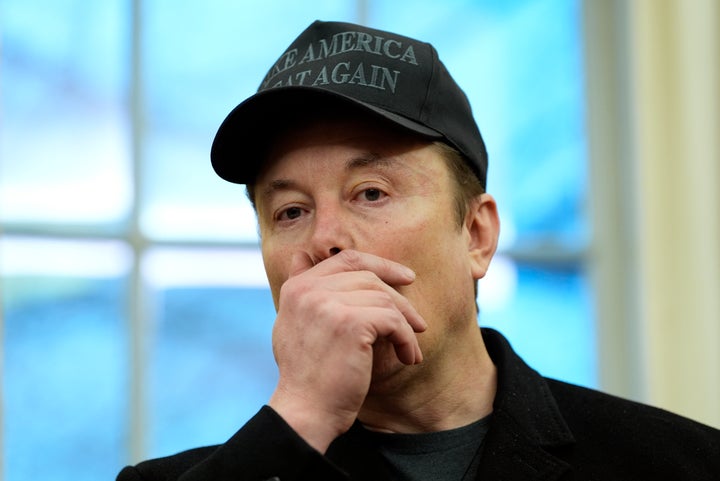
238,150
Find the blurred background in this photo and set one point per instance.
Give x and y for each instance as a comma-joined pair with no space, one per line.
136,316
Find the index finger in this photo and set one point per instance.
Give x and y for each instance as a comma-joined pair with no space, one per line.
391,272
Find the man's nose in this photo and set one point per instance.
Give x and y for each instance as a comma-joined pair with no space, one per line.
331,233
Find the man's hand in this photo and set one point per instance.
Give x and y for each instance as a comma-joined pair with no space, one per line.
329,317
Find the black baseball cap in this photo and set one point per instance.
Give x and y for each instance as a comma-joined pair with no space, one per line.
385,74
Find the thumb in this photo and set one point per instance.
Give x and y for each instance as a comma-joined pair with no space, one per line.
299,263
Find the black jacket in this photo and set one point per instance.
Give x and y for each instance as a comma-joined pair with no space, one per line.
540,429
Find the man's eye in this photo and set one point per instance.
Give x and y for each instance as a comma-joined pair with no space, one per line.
291,213
372,194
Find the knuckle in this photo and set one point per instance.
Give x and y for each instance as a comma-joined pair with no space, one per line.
328,310
369,279
384,299
290,290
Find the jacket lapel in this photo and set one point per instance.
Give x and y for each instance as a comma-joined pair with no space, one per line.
508,455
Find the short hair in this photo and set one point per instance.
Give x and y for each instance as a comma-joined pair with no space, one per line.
467,184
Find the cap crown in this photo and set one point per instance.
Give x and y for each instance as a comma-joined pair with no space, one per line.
397,77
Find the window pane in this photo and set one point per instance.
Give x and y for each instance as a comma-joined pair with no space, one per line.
194,76
545,312
211,363
65,359
63,139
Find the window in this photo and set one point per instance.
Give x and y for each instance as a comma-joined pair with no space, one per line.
136,316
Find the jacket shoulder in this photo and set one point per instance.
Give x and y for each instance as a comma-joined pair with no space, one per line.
612,430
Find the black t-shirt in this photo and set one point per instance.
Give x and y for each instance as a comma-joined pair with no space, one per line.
438,456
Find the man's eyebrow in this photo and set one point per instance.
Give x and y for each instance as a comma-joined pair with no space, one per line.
278,185
369,160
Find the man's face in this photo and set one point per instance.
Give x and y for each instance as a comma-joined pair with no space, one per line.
351,185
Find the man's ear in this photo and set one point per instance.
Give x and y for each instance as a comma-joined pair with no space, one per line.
483,227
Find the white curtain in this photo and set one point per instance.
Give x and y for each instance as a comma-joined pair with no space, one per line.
653,82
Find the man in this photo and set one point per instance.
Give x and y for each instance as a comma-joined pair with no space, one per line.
368,174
